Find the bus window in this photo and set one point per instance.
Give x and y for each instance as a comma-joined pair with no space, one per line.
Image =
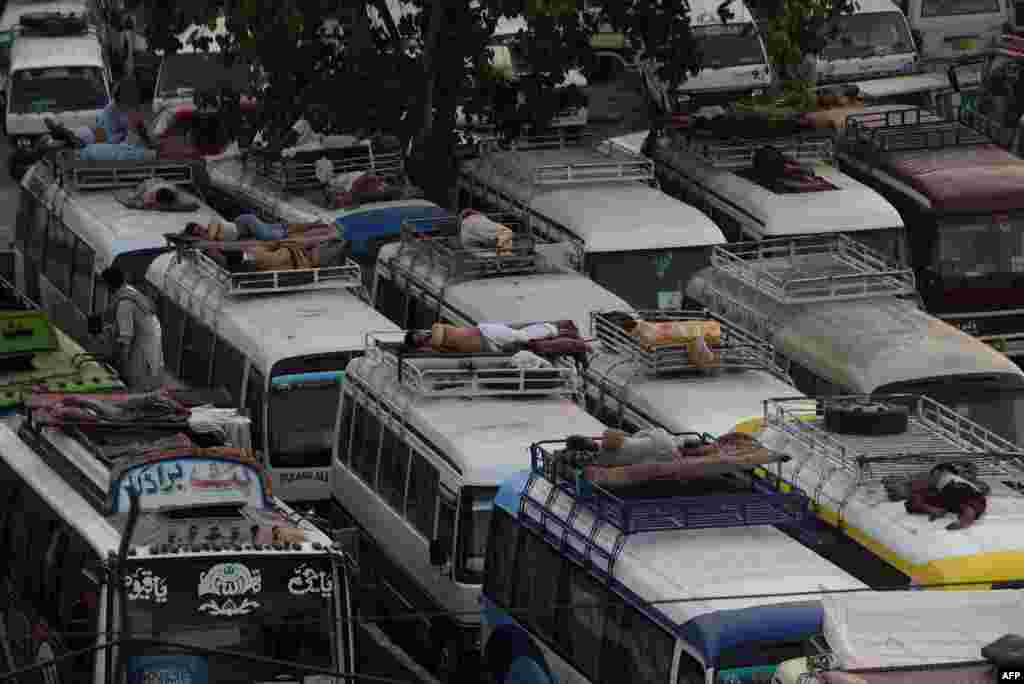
58,256
389,299
254,394
637,645
365,444
172,322
538,569
82,276
345,430
100,297
446,514
475,510
196,352
394,468
499,580
228,370
585,621
422,500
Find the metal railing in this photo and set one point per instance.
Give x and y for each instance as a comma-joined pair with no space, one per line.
819,268
736,153
83,174
298,172
896,130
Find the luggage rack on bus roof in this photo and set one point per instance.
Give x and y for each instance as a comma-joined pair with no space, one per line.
738,153
298,172
817,268
480,374
737,349
345,276
900,130
935,434
83,174
442,246
615,516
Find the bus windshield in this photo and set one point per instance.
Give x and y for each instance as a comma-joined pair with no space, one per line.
270,607
953,8
301,422
194,72
889,242
57,89
872,34
979,248
475,511
730,45
648,279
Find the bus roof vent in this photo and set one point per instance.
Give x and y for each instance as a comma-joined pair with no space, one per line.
932,434
641,508
107,175
480,374
25,330
897,130
343,276
738,153
438,242
728,345
298,171
817,268
53,24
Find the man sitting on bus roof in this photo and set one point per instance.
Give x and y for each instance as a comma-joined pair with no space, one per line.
120,131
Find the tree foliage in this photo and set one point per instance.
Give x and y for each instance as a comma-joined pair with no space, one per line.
797,29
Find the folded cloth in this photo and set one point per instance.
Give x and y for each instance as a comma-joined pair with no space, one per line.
158,195
502,337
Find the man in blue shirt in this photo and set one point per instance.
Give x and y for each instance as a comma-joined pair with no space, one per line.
120,132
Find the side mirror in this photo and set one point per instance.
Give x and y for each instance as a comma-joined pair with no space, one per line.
95,324
439,552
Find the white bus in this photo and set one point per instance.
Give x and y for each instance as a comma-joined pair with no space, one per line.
624,233
279,342
204,567
71,225
424,440
723,178
586,588
841,318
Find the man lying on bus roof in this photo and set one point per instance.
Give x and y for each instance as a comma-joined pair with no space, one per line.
120,132
280,253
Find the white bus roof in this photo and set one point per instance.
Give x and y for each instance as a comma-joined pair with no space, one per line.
542,296
15,10
271,328
51,487
41,53
907,628
607,217
734,561
863,345
487,437
714,403
705,13
870,6
853,206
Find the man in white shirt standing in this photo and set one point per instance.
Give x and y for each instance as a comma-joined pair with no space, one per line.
137,334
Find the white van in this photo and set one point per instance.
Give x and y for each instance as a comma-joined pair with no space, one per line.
735,60
65,78
949,29
188,70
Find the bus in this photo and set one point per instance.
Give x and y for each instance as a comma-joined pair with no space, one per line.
845,321
752,200
34,354
278,342
212,559
961,197
849,469
71,225
287,190
584,585
423,442
621,230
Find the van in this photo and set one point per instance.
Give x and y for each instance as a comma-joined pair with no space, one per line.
66,78
188,70
950,29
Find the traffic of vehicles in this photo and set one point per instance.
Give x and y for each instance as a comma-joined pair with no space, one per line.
705,403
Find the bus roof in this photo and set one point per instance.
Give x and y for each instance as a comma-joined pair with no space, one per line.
544,296
14,10
734,561
862,345
607,217
487,438
271,328
51,487
34,52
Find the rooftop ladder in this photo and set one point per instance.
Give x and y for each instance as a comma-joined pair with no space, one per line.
298,172
345,276
817,268
82,174
935,434
467,375
737,349
442,246
737,153
897,130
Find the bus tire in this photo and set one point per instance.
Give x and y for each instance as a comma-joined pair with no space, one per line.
869,418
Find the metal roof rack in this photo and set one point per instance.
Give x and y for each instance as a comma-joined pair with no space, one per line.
345,276
105,175
737,349
443,248
298,172
645,512
913,128
738,153
935,434
817,268
450,374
